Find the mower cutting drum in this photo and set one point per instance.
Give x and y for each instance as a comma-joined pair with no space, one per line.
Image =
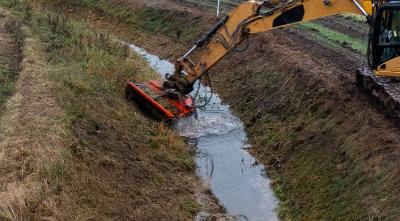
151,99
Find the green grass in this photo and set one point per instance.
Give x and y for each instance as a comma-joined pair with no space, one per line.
7,83
305,170
100,64
305,190
310,179
334,38
191,207
8,75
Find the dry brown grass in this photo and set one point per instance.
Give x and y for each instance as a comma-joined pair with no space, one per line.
32,139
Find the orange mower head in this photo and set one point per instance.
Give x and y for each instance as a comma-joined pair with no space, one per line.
159,104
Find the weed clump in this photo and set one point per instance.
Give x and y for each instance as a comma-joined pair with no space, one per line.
7,79
12,40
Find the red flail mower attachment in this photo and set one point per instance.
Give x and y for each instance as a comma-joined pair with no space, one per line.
158,105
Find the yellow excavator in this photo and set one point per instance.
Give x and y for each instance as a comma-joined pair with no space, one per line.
170,99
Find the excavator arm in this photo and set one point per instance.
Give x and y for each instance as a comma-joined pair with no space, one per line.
168,100
249,18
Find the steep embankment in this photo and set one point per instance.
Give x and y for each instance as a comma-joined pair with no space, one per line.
332,153
71,147
163,27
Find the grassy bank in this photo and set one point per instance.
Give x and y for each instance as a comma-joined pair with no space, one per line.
329,151
153,26
86,152
152,20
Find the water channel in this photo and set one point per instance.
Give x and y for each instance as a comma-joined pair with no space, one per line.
234,177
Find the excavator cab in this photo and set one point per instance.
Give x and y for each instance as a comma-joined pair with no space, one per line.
384,39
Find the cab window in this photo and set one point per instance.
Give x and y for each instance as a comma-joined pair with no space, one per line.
389,38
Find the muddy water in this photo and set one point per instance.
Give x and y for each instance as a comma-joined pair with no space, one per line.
223,162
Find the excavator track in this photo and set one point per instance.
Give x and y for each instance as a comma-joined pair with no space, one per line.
386,91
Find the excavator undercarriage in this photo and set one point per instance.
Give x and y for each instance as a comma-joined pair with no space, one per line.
385,91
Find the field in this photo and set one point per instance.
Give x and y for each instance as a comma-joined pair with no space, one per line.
330,150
